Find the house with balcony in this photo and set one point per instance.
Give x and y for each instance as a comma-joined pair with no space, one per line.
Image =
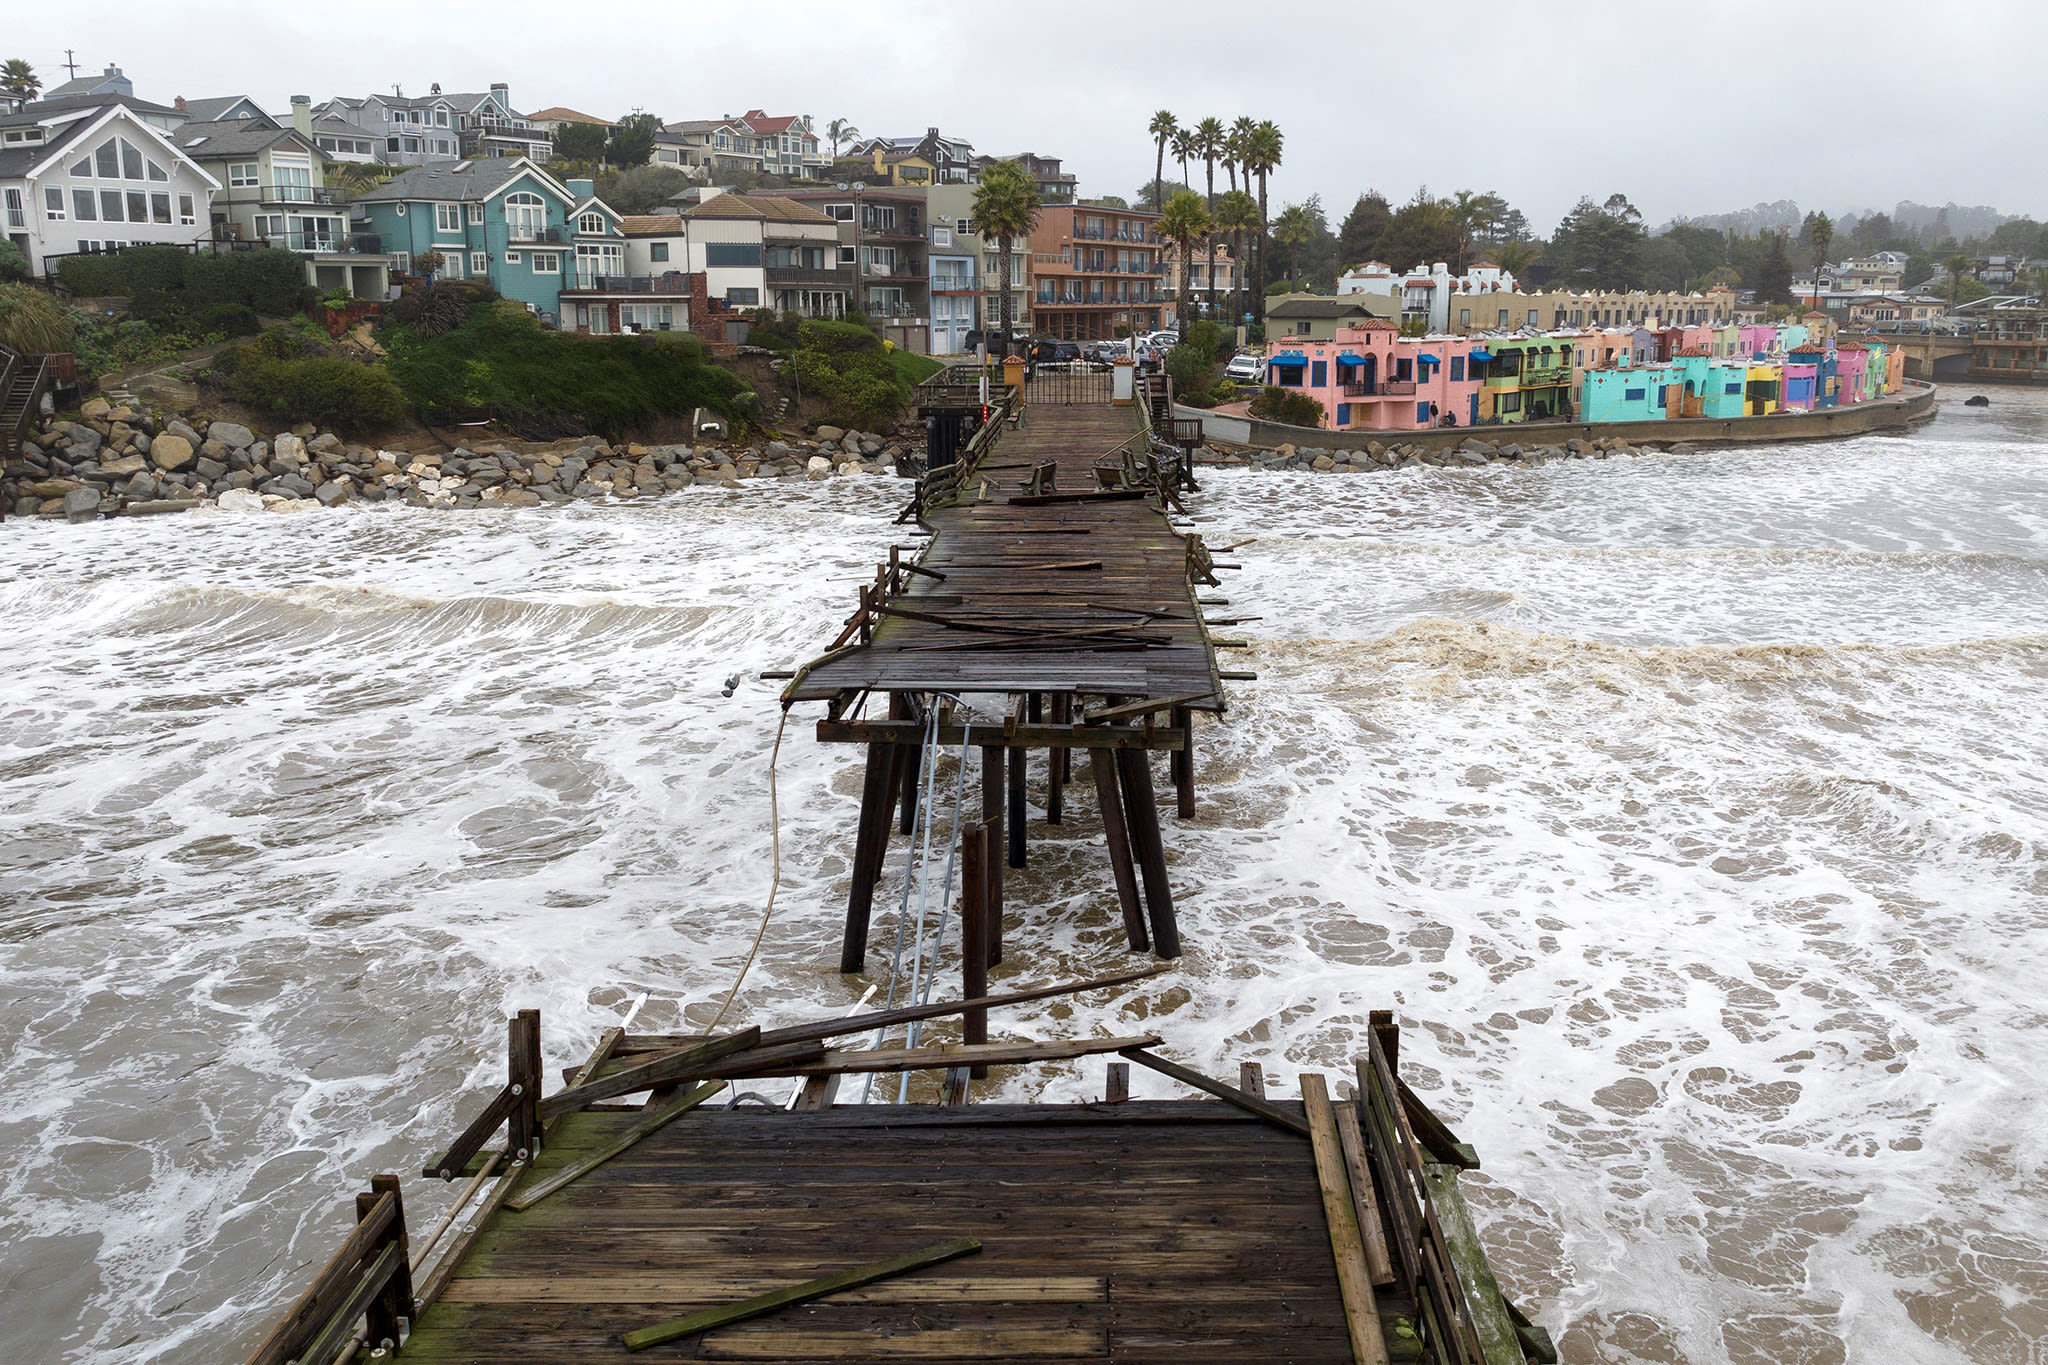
1198,280
704,146
952,159
786,143
1524,378
90,173
961,254
487,125
499,219
768,251
274,192
1055,186
342,141
1097,273
553,119
612,287
1369,377
407,130
882,236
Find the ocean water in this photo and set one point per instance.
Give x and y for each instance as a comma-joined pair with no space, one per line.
1691,812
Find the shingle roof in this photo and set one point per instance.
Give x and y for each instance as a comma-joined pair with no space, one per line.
39,110
458,180
209,110
651,224
757,206
336,125
1307,306
560,114
233,137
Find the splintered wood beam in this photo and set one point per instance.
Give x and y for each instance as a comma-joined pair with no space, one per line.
1434,1134
1347,1249
642,1338
664,1069
1043,736
1272,1113
942,1056
1149,706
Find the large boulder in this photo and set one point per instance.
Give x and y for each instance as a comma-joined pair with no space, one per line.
126,465
95,409
830,433
82,504
170,451
332,493
819,467
240,500
233,435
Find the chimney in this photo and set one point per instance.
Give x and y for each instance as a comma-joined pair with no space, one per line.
302,114
503,92
179,104
580,189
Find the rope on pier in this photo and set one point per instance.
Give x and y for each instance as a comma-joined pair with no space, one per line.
774,878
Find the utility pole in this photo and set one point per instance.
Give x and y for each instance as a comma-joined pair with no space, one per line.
71,63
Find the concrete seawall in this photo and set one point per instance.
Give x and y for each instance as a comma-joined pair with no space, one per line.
1913,404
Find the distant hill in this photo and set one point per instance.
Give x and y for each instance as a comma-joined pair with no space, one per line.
1926,221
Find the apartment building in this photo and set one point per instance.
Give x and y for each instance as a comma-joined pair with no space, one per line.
882,239
1095,271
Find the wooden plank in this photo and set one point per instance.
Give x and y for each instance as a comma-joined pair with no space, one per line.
451,1260
974,859
1146,707
642,1338
1141,811
653,1123
943,1055
364,1289
522,1127
452,1162
1251,1078
1117,1084
1497,1336
320,1298
1434,1134
1270,1112
1354,1284
1116,833
662,1069
1364,1198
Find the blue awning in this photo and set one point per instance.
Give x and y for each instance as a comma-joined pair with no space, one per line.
1482,355
1428,359
1349,359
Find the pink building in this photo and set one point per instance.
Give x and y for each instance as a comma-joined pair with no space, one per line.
1851,363
1371,378
1759,340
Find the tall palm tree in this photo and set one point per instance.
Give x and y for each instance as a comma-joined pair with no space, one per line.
1005,208
1293,229
1466,209
1210,140
1185,222
1957,267
1240,134
1263,146
840,130
1236,213
1163,126
1821,233
1184,150
19,81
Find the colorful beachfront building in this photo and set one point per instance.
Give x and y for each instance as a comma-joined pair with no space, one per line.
1526,378
1371,378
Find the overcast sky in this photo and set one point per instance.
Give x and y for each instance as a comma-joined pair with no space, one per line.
1687,109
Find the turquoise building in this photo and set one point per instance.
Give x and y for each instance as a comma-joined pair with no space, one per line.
1631,393
502,220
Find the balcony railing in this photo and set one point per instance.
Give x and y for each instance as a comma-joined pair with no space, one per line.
1397,388
326,243
894,310
301,194
896,270
801,274
954,284
674,282
521,234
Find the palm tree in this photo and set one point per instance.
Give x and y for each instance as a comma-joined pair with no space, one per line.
1516,257
1185,222
840,130
1236,213
18,81
1240,134
1820,232
1005,208
1184,150
1263,145
1210,140
1293,229
2039,284
1957,267
1163,126
1465,208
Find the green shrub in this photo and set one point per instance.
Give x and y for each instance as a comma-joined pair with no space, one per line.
1211,340
171,285
1192,369
321,389
1276,404
13,265
93,277
31,321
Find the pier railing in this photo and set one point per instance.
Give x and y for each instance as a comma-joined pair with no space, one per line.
368,1280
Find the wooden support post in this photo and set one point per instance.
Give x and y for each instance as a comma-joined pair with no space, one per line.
1034,707
1017,807
870,843
1101,762
818,1093
975,850
1251,1078
1184,764
899,761
522,1064
993,787
1056,762
913,792
1117,1087
1141,811
394,1301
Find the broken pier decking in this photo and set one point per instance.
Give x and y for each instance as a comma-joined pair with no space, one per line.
725,1225
1057,597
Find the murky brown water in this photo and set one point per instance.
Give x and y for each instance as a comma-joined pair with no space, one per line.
1690,811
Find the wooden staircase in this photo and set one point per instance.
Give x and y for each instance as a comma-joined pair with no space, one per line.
24,379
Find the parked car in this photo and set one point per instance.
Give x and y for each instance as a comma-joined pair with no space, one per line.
1245,368
1052,351
1164,341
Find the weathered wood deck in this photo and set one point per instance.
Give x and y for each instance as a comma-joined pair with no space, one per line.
1167,1231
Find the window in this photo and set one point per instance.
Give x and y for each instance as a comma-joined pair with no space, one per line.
736,254
1404,369
390,144
138,207
440,118
840,212
242,174
53,204
648,317
17,215
447,218
1457,367
1321,374
1503,317
157,172
750,298
160,209
479,263
942,236
110,206
441,146
401,262
525,216
1465,317
131,160
846,255
82,205
185,210
106,159
657,251
412,144
590,224
511,258
1422,414
1633,395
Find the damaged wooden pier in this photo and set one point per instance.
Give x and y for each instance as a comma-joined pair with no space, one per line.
1053,611
739,1213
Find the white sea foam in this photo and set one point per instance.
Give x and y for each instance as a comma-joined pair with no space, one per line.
1690,811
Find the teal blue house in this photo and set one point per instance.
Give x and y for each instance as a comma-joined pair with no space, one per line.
503,220
1631,393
